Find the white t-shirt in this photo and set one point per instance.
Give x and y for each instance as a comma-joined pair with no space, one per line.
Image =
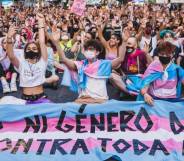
95,88
154,43
5,62
32,75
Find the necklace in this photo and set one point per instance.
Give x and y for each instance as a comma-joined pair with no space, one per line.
31,70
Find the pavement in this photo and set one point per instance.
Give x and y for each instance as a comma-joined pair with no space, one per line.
63,94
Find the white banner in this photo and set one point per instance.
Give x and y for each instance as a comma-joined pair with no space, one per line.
177,1
93,2
161,1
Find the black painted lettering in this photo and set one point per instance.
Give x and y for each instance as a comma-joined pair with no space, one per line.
1,125
42,145
144,113
174,120
60,123
118,143
30,123
80,144
157,145
22,142
57,146
111,127
137,144
79,127
99,124
104,143
125,117
8,144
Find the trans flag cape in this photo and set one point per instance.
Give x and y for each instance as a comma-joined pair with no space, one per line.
129,131
77,80
154,72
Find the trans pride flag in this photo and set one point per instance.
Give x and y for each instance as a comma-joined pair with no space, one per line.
153,73
59,132
77,80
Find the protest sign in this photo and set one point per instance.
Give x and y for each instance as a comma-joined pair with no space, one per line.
78,7
72,132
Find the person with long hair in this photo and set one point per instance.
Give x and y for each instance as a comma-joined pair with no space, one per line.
111,46
32,65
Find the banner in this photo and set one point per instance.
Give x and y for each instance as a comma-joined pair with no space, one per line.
177,1
132,131
93,2
78,7
161,1
138,1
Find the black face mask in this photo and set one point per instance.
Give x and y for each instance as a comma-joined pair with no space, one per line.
164,60
31,55
75,29
129,50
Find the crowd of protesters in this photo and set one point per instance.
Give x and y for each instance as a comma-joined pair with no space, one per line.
139,49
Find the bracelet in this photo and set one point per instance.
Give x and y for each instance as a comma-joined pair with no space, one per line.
145,94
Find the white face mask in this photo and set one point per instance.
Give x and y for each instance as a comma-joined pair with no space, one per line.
89,54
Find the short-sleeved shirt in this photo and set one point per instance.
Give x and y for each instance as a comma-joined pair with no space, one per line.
95,88
32,75
95,79
5,62
134,64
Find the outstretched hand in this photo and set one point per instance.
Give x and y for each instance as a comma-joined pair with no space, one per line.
12,31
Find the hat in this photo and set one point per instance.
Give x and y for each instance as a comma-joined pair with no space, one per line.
164,32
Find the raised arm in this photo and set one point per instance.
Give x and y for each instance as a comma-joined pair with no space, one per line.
9,48
100,34
69,63
116,62
41,26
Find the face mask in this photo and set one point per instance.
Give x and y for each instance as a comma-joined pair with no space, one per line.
31,55
75,29
129,50
89,54
148,31
164,60
169,40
